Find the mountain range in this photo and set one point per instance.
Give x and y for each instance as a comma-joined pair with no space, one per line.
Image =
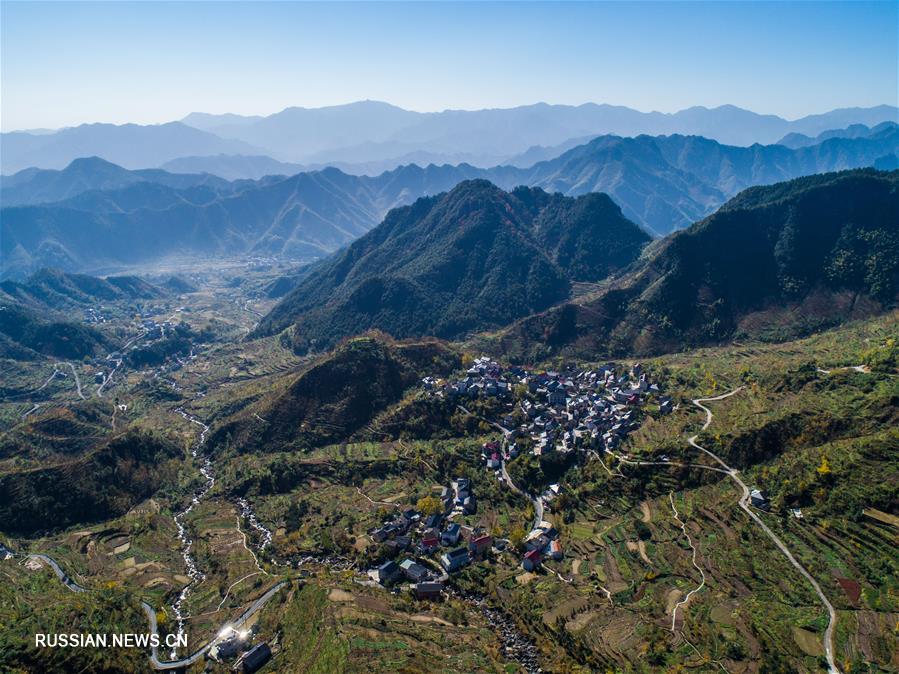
87,174
303,217
130,145
382,136
471,259
95,216
825,246
51,289
774,262
372,130
797,140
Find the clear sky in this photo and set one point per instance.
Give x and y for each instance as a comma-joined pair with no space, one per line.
66,63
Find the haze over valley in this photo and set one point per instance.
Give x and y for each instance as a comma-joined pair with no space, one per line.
59,217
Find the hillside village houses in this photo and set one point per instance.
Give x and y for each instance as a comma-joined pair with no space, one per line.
434,535
589,409
562,411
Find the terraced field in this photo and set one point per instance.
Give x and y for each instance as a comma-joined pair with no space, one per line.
661,567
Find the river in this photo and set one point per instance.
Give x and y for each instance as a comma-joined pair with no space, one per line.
193,571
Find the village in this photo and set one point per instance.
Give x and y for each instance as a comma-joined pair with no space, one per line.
591,409
542,412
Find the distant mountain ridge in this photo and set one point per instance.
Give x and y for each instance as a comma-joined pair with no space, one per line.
129,145
370,130
662,183
236,167
233,166
86,174
668,182
473,258
301,217
797,140
384,136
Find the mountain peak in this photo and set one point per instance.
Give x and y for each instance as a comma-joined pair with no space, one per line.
472,258
473,186
92,163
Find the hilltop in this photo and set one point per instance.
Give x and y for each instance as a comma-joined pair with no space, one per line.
471,259
333,397
97,485
91,174
24,334
775,261
57,290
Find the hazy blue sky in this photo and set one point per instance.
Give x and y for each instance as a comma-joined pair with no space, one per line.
72,62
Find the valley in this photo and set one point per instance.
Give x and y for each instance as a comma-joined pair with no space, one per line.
663,560
458,338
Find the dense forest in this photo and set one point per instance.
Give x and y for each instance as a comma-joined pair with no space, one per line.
23,335
774,262
472,259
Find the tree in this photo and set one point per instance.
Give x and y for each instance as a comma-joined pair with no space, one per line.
644,533
429,505
787,256
516,537
824,468
293,518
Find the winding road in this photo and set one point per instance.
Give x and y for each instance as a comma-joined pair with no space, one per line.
686,599
63,578
744,504
56,371
35,407
196,655
151,616
537,501
77,379
118,358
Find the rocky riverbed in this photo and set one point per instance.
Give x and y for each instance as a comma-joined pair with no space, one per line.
193,571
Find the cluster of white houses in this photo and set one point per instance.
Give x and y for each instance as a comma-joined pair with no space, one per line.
557,411
544,412
155,329
542,542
